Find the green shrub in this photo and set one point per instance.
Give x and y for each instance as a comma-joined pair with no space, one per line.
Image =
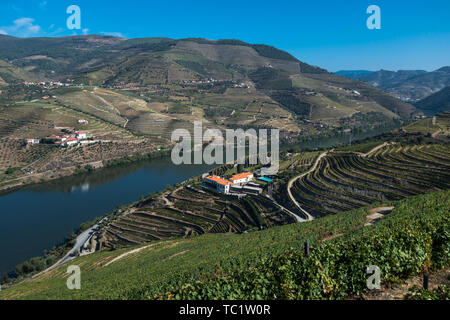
12,170
440,293
402,245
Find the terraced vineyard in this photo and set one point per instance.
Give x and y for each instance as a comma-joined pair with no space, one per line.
191,211
345,181
39,119
269,264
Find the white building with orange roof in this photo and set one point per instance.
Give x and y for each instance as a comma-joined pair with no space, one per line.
32,141
221,185
80,135
71,141
242,178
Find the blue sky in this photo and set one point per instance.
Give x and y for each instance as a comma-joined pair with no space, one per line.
328,33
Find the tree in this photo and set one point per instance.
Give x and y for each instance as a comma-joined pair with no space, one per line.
4,279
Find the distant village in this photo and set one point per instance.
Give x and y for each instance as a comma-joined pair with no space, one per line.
213,81
52,84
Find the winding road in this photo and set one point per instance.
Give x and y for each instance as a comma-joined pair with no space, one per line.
309,217
80,241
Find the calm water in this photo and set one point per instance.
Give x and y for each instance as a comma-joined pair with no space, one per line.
41,216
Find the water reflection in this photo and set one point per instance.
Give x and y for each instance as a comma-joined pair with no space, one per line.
39,216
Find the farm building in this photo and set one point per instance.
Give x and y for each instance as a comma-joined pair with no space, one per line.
71,141
241,178
252,190
80,135
219,183
32,141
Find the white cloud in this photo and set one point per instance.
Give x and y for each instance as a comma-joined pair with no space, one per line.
23,22
113,34
85,31
22,27
3,32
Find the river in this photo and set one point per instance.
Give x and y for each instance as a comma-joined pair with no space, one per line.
36,218
39,217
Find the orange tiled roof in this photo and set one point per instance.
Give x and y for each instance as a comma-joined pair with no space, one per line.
219,180
241,176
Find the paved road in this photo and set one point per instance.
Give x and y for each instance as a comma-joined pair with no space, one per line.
79,242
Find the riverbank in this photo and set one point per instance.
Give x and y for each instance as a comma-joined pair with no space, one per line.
40,216
82,199
300,143
14,185
53,258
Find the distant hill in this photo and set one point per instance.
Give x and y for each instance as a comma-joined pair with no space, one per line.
436,103
408,85
227,82
10,74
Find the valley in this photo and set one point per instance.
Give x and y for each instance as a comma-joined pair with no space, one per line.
85,135
132,94
407,85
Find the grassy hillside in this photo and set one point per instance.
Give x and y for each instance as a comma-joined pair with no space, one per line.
440,127
266,264
10,74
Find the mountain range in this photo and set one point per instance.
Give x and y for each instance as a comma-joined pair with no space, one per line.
225,83
408,85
